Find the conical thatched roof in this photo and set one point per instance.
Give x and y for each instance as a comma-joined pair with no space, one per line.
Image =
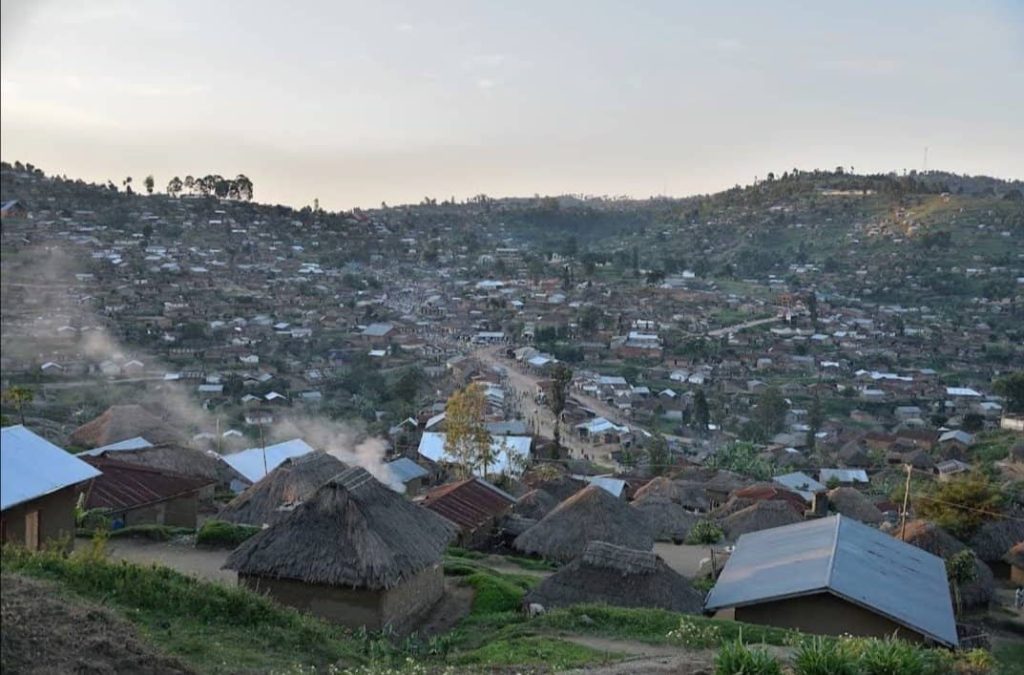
179,459
732,506
666,519
294,481
688,494
761,515
932,538
353,531
996,537
853,503
617,576
535,504
561,487
121,422
592,514
726,481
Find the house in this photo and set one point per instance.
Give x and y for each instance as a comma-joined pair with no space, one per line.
275,495
509,454
592,514
801,483
600,430
955,441
474,505
130,494
834,576
122,422
13,209
355,553
409,473
39,486
612,575
950,468
255,463
377,333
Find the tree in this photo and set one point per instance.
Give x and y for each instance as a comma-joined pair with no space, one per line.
658,454
190,184
743,458
149,182
561,376
960,570
1011,388
466,435
705,533
243,187
18,396
815,418
127,182
174,187
701,412
769,416
812,308
961,505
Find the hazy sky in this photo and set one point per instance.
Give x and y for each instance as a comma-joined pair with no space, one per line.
359,102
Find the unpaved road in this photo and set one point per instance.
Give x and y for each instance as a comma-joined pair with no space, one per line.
179,556
737,327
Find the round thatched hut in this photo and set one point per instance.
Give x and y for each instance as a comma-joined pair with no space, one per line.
273,496
688,494
592,514
761,515
853,503
121,422
666,519
993,539
618,576
535,504
355,553
932,538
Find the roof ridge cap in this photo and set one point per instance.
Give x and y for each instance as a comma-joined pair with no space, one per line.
832,553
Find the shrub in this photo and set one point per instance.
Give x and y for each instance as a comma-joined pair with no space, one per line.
891,657
695,635
220,533
824,657
735,658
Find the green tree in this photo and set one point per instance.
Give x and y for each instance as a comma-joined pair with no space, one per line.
561,376
1011,387
658,454
960,570
706,533
701,412
174,187
961,505
149,182
815,418
18,396
466,435
769,416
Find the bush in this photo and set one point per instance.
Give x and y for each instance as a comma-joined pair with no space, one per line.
220,533
890,657
497,593
735,658
824,657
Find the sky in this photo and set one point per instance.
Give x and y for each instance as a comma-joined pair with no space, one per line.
355,103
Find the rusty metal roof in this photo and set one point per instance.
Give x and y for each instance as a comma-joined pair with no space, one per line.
127,486
469,503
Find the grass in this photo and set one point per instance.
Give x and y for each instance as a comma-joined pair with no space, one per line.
1009,658
214,628
533,650
532,564
222,534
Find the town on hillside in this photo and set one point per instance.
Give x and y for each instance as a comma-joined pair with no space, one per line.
523,434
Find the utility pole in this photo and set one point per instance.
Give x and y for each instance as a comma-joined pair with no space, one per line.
906,499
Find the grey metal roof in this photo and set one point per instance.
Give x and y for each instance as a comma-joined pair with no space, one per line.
801,483
845,558
31,466
406,470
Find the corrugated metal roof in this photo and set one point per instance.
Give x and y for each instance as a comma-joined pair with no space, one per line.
31,467
127,486
432,447
250,463
848,559
470,503
406,470
800,483
130,444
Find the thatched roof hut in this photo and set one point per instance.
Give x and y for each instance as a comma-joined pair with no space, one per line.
761,515
688,494
666,519
996,537
121,422
617,576
732,506
932,538
352,532
560,487
853,503
535,504
273,496
774,492
592,514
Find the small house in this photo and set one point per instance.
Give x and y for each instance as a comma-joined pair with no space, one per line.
131,494
474,505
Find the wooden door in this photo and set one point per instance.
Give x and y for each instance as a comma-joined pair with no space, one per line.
32,530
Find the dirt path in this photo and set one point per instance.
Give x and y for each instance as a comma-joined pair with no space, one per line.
645,658
735,328
180,556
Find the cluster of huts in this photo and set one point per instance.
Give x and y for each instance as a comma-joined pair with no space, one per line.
337,542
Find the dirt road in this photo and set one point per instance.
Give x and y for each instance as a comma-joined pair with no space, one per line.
736,328
180,556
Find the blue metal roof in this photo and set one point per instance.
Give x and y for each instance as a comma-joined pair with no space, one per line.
406,470
845,558
136,443
31,467
255,463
